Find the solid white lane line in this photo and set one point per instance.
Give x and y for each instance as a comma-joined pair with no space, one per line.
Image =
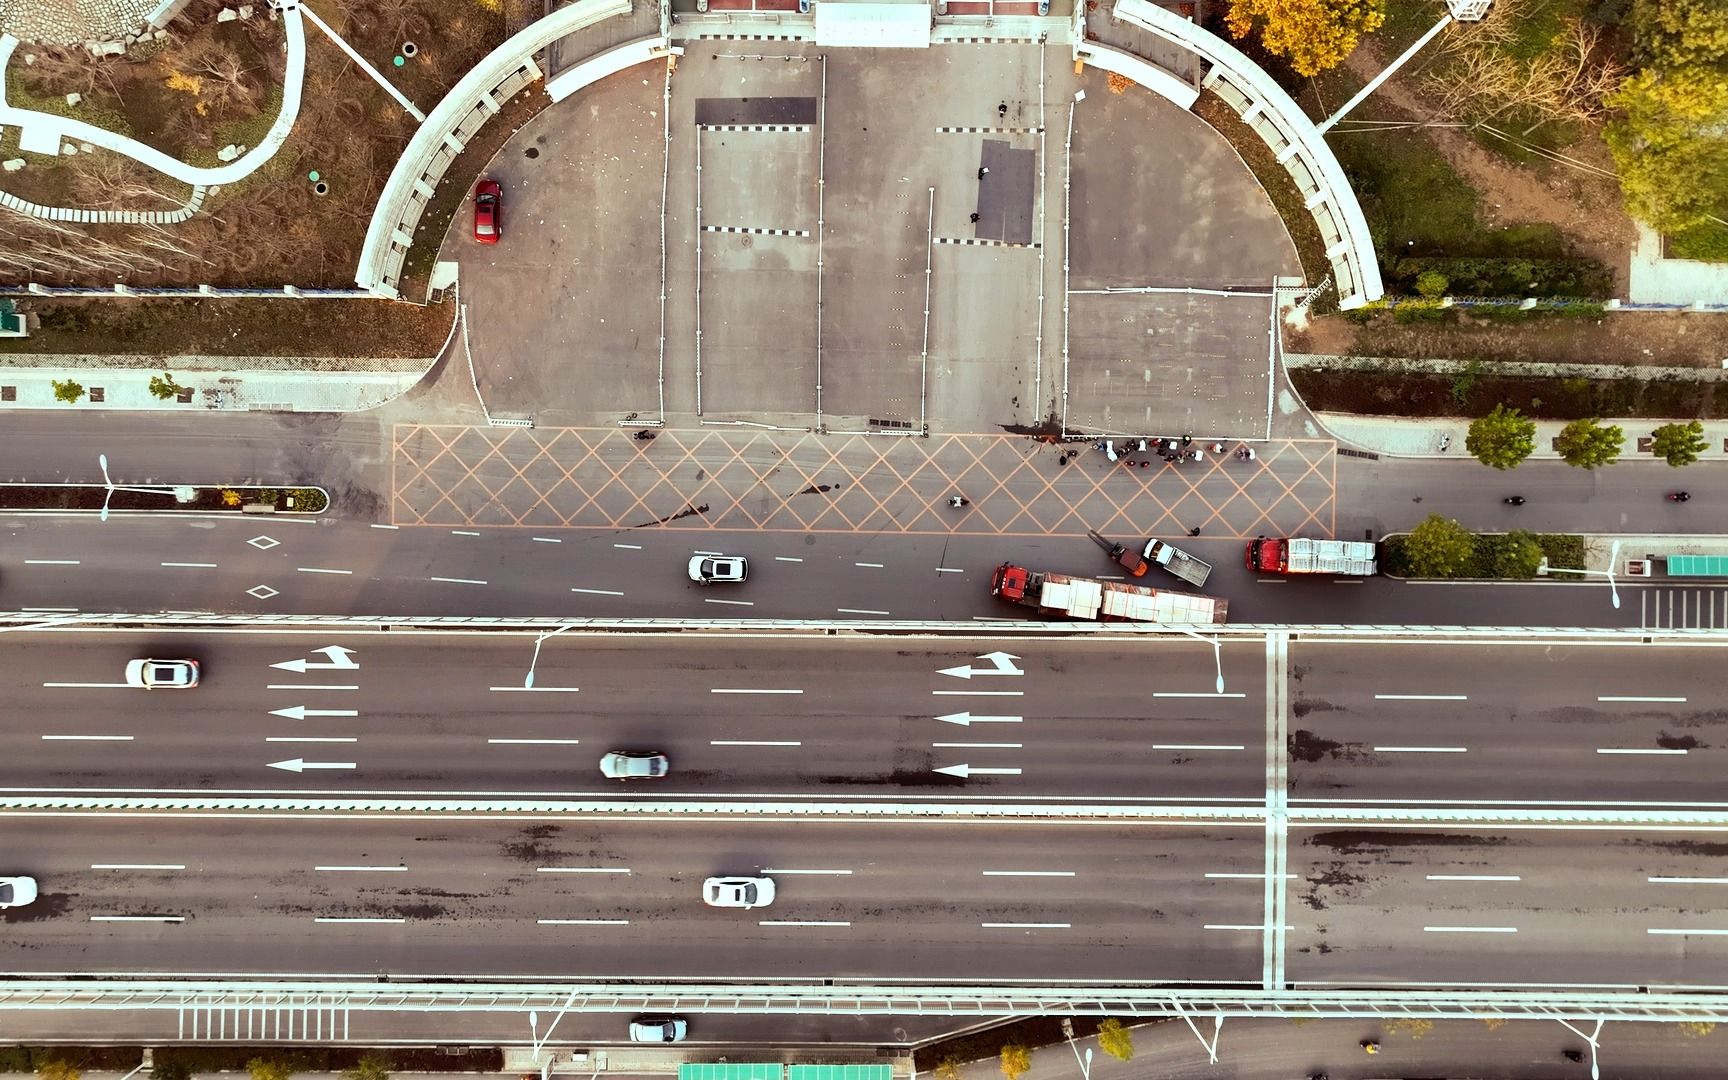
1470,929
1258,876
365,869
629,547
1637,750
749,690
85,685
825,873
801,922
1026,925
463,532
88,738
1421,697
1474,877
535,742
534,689
1027,873
1198,746
48,609
871,565
739,603
137,918
1196,694
136,866
978,693
549,540
313,686
355,919
1660,700
50,562
858,611
1422,749
457,580
583,922
1688,880
949,570
1683,932
786,558
598,592
320,570
993,618
581,870
192,565
749,742
386,526
309,738
977,745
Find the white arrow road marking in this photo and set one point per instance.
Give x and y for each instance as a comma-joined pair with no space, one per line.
966,719
1001,663
301,765
963,771
337,657
301,712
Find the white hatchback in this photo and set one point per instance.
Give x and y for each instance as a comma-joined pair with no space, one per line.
709,569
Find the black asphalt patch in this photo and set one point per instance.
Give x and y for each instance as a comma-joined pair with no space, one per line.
768,110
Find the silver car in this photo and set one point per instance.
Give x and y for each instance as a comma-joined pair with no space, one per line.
738,892
709,569
17,891
634,765
659,1029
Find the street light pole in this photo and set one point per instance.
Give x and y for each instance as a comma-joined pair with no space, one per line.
1217,653
1085,1062
1543,569
528,679
108,483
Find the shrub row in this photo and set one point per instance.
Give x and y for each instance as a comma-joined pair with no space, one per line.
1507,277
1495,555
27,1059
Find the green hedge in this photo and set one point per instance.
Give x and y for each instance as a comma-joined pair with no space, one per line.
1562,549
1488,276
208,1059
27,1059
1708,242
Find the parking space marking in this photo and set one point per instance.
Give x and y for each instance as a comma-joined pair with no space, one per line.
979,241
989,131
746,230
757,127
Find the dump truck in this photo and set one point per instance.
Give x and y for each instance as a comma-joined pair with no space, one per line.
1298,555
1174,559
1086,598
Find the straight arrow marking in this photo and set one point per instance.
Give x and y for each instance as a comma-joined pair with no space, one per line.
963,771
965,719
301,765
301,712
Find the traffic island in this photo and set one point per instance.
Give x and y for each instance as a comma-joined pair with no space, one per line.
183,498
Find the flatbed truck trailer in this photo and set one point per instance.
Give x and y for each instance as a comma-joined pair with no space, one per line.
1074,597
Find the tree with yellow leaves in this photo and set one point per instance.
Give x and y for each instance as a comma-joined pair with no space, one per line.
1312,35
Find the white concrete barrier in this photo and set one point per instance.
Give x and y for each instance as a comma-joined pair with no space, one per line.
1152,77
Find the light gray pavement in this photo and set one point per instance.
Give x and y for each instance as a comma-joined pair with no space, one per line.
235,389
1422,437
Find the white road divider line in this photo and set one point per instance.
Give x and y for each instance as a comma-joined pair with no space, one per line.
709,554
739,603
1687,880
749,690
598,592
309,738
1421,749
355,919
1027,873
1196,694
581,870
51,562
1198,746
549,540
1421,697
871,565
949,570
1257,876
1685,932
457,580
826,873
1638,750
1658,700
534,689
786,558
137,918
802,922
463,532
1470,929
88,738
192,565
364,869
629,547
583,922
859,611
977,745
535,742
1474,877
978,693
1026,925
85,685
750,742
312,686
375,526
136,866
320,570
1255,927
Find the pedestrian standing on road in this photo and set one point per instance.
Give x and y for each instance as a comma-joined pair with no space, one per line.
1002,109
982,170
974,218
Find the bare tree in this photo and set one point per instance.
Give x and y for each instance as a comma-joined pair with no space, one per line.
1477,78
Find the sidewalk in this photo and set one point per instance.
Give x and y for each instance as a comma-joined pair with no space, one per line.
648,1059
1404,436
284,389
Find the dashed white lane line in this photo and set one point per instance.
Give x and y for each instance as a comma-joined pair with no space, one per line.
1657,700
748,690
1470,929
1198,746
978,693
583,922
752,742
356,919
1195,694
1684,932
88,738
1256,927
1026,925
535,742
1421,749
710,554
386,526
192,565
581,870
802,922
1260,876
51,562
599,592
83,685
463,532
363,869
871,565
1639,750
313,686
457,580
977,745
137,918
738,603
309,738
786,558
320,570
1421,697
1688,880
629,547
859,611
1027,873
534,689
1474,877
949,570
137,866
825,873
549,540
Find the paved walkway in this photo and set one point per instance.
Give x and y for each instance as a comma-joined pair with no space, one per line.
1656,280
1406,436
72,21
284,390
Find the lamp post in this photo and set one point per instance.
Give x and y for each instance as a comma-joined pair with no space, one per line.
528,679
1542,569
1217,654
1085,1062
108,483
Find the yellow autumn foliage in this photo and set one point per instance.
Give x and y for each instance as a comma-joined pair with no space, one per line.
186,84
1312,35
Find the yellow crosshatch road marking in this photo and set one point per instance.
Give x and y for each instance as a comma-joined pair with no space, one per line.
721,480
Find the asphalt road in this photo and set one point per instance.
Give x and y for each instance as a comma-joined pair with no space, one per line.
618,897
738,716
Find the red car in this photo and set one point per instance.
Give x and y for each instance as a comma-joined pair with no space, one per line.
488,196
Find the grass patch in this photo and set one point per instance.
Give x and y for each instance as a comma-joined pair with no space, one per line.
234,328
1706,243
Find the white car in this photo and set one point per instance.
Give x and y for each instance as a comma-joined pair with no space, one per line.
659,1029
162,674
634,765
17,891
738,892
708,569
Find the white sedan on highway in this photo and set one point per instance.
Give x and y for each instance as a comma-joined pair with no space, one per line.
710,569
162,674
17,891
738,892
